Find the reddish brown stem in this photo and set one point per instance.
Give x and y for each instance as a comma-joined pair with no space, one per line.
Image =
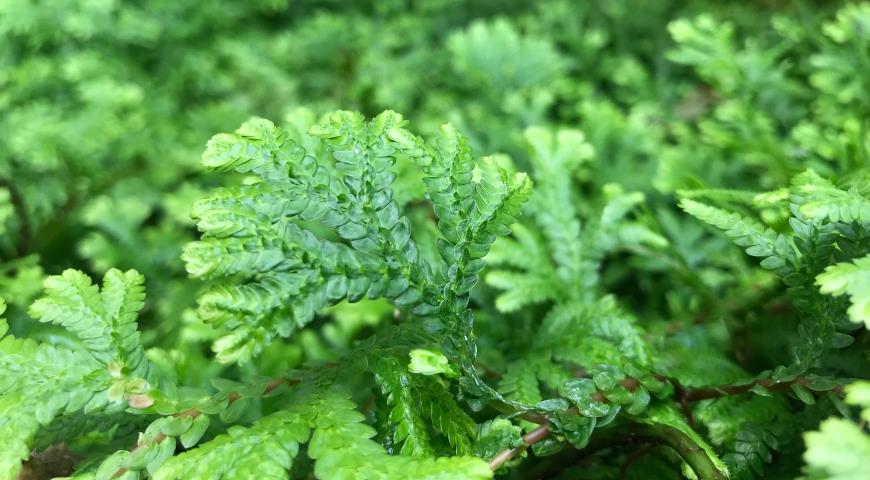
683,396
727,390
529,439
682,399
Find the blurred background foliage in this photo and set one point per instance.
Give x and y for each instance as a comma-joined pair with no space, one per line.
105,107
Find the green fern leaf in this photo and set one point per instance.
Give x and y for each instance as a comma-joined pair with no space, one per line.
343,449
591,334
520,290
840,449
819,199
273,275
265,450
556,155
520,382
104,320
409,429
475,203
852,278
40,381
774,248
447,417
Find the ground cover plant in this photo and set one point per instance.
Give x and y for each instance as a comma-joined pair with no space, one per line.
434,239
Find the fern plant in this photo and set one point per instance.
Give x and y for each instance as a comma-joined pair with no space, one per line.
677,288
305,233
57,390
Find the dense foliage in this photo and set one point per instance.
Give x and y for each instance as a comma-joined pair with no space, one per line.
606,239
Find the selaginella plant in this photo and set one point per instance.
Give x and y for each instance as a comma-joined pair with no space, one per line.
308,222
679,287
306,229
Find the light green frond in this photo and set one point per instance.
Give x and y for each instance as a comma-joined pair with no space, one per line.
494,56
40,381
840,449
104,321
475,203
525,250
520,382
721,195
521,289
448,168
593,333
616,230
555,156
272,275
265,450
343,449
852,278
777,253
818,199
498,199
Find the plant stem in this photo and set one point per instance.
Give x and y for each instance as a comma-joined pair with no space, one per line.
659,434
631,434
691,453
529,439
727,390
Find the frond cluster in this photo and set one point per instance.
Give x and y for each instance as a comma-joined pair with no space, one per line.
101,374
273,274
678,287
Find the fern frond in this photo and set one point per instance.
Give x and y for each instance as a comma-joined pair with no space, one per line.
777,253
409,431
852,278
447,417
555,156
271,274
748,429
614,230
474,202
521,290
819,199
675,360
189,420
266,450
721,195
520,382
498,200
752,448
275,275
724,417
589,334
448,169
840,449
343,449
101,373
495,56
340,444
525,249
104,320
